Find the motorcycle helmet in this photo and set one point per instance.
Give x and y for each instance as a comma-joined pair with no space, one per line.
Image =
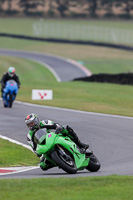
11,71
32,121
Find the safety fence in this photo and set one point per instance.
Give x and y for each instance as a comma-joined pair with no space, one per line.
82,32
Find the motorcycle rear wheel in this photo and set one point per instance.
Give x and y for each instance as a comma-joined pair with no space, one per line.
68,165
94,164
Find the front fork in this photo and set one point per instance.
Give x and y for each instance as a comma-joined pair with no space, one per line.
46,159
46,164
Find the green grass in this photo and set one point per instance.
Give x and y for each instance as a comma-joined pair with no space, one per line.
10,25
14,155
94,188
112,66
76,52
118,32
94,97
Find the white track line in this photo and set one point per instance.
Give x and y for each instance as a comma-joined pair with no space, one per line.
15,142
75,63
55,108
58,79
72,110
76,111
18,169
22,169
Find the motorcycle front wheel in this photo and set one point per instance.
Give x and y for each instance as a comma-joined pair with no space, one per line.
10,100
65,162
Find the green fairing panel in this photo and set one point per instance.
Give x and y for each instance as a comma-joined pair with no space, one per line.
41,124
68,144
42,149
52,139
30,133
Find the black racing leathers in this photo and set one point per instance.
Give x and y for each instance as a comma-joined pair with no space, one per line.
66,130
6,78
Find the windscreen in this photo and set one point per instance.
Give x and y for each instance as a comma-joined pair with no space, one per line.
40,136
11,82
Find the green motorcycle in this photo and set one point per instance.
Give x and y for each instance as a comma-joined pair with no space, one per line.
60,151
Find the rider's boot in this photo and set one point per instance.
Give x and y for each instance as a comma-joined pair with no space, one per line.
83,145
75,138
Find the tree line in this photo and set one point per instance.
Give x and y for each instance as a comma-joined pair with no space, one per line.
68,8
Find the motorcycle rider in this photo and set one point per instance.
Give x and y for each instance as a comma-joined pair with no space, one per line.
33,123
10,75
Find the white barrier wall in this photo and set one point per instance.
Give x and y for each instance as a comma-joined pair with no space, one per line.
82,32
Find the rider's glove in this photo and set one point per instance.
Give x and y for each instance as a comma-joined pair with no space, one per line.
37,154
58,129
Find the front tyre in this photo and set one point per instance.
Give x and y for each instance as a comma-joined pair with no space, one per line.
94,164
10,100
5,105
65,162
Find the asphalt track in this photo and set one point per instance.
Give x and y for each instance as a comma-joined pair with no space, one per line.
109,136
62,69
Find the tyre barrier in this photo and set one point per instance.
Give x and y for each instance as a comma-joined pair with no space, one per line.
123,78
67,41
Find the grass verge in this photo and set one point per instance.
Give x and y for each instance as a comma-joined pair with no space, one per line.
12,155
94,188
94,97
107,98
10,25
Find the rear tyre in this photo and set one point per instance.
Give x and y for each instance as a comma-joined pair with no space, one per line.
65,162
94,164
